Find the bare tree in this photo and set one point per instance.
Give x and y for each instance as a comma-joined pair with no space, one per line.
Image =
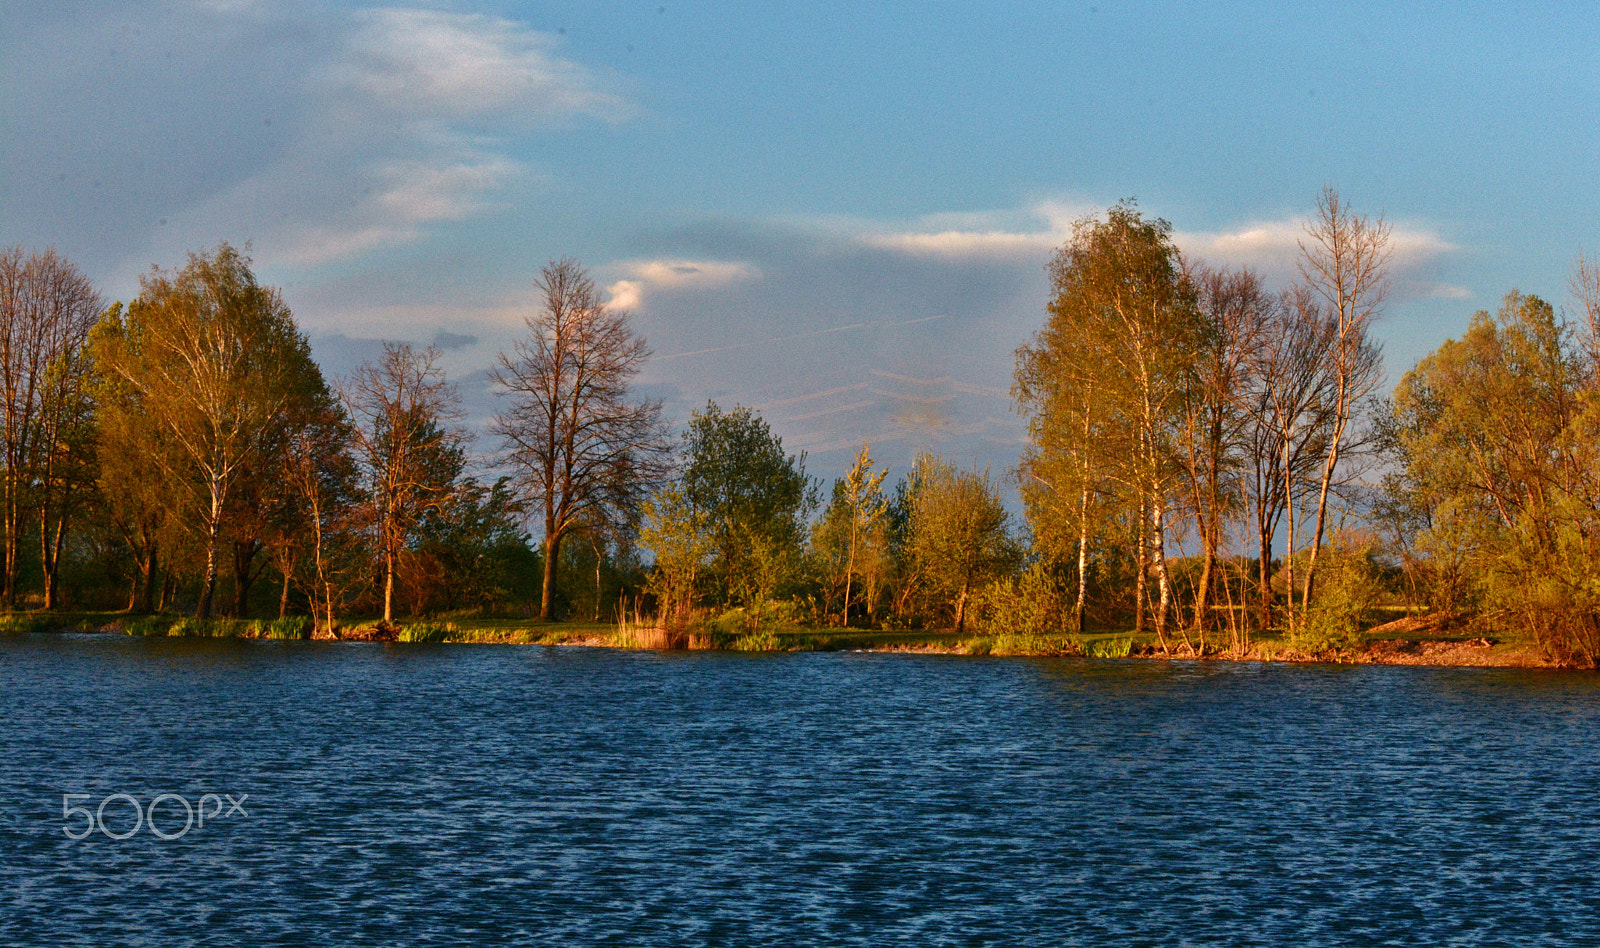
1345,262
411,453
1287,398
47,307
1212,443
583,451
1584,284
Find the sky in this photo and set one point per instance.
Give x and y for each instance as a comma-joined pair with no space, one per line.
837,214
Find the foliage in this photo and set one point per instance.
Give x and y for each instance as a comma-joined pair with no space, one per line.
755,499
1497,436
850,542
1105,384
1030,604
959,532
679,536
211,359
475,539
1348,591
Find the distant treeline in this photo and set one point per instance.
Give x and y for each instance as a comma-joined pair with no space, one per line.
1208,461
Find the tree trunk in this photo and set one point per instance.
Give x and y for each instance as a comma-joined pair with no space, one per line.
283,598
1141,583
244,553
1083,562
1322,509
146,603
50,557
1264,571
213,529
547,595
388,585
961,608
1158,542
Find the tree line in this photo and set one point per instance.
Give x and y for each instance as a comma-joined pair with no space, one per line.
1209,460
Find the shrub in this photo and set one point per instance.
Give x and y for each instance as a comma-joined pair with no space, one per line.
1347,590
1025,606
19,623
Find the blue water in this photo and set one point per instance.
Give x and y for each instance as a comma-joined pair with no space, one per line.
489,795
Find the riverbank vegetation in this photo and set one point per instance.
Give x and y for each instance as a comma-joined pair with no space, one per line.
1212,470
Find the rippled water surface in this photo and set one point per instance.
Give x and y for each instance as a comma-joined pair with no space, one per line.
529,795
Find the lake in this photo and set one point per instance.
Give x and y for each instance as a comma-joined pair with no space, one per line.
367,794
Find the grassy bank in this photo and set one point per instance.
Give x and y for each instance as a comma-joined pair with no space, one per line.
1393,643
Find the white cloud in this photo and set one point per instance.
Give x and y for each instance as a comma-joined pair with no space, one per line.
984,235
454,65
1273,248
641,277
388,125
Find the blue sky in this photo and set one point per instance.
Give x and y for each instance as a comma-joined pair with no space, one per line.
836,213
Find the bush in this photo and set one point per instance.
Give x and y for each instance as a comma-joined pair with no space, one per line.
1024,607
1347,590
21,623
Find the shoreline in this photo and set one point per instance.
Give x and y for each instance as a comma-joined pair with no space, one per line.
1433,650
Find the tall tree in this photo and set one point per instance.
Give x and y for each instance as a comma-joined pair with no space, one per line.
583,450
1123,325
47,307
404,415
755,497
1238,309
211,357
1344,260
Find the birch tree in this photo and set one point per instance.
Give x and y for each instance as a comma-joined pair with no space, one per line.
210,357
1344,261
1123,330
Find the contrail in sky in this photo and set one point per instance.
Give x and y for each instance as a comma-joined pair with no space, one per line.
798,335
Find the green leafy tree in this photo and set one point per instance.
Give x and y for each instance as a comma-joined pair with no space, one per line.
756,499
679,536
1496,434
959,532
851,538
